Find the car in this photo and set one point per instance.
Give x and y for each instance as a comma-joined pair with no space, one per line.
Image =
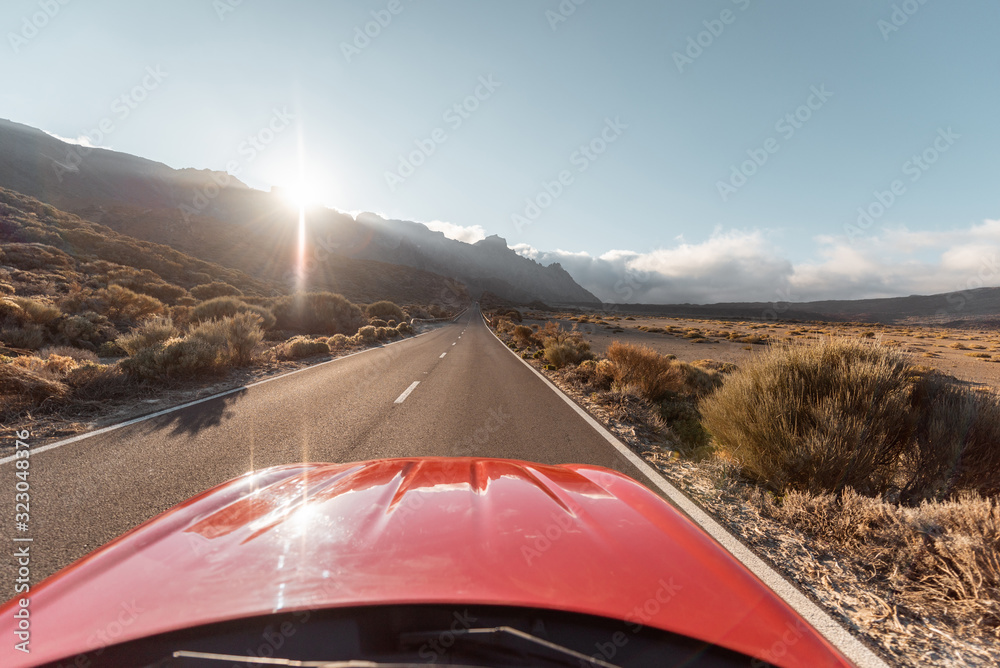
450,561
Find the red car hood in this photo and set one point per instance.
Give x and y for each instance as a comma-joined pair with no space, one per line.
437,530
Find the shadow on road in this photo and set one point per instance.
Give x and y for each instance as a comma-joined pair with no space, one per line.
194,419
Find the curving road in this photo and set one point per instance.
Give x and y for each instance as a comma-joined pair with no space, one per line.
471,398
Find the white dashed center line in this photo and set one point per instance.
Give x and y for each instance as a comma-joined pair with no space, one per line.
442,355
401,398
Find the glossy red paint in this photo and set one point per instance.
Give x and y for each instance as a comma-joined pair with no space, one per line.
434,530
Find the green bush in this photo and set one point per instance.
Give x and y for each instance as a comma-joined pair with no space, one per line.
317,313
150,334
816,418
213,290
385,310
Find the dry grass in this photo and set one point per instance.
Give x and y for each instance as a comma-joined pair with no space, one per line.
938,559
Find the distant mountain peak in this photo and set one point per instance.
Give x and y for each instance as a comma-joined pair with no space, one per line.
492,240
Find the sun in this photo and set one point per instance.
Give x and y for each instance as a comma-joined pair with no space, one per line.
301,194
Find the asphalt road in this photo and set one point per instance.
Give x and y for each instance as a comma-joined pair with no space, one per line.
473,399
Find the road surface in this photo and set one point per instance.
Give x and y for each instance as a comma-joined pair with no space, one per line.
455,391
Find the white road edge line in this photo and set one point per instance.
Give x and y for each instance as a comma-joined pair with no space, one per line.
821,620
165,411
401,398
442,356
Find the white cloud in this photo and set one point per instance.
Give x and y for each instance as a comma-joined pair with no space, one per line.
741,265
469,234
82,140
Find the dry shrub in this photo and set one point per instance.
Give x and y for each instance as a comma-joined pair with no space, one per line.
123,305
36,311
317,313
385,310
366,334
31,382
149,334
570,351
77,354
176,359
100,382
302,346
338,342
957,440
404,328
227,307
243,335
524,336
377,323
816,418
87,328
28,336
655,376
213,290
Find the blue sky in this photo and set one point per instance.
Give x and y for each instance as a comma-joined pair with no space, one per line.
833,100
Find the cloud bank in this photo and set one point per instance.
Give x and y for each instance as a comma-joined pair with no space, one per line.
747,266
470,234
